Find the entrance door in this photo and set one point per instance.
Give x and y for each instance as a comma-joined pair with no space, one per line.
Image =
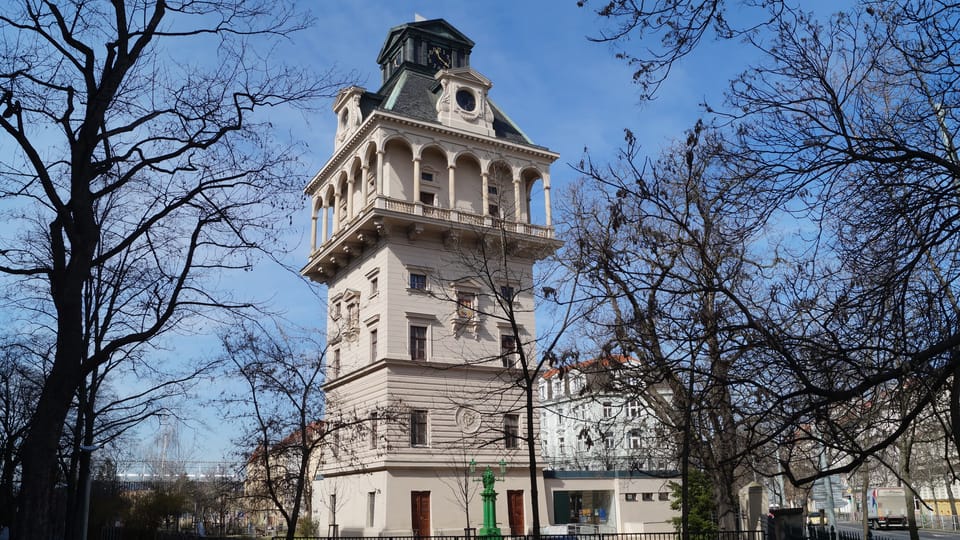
420,513
515,511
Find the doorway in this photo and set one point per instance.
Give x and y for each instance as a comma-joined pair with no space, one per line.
515,512
420,513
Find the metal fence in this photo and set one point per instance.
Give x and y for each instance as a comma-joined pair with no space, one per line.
726,535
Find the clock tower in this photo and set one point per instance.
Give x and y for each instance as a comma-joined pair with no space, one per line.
426,223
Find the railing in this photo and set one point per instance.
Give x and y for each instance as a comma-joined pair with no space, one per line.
725,535
460,216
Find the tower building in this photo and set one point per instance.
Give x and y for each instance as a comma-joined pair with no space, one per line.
427,221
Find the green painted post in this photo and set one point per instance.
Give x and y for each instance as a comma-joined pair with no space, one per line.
489,496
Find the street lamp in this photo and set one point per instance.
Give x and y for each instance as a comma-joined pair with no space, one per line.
489,496
85,517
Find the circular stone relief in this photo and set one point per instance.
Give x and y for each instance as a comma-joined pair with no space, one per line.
468,420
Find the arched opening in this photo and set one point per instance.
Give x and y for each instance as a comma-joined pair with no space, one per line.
469,184
500,192
398,169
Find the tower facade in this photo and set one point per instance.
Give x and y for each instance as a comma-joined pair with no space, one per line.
427,221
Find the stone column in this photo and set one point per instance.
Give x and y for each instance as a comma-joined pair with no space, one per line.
325,207
380,179
517,203
350,186
416,180
452,185
364,189
313,225
337,196
546,198
485,186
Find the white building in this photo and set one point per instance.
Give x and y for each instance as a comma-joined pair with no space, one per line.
424,233
589,423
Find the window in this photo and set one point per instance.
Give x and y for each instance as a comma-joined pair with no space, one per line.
466,305
336,363
630,497
511,431
663,496
608,440
493,210
374,427
336,444
647,497
560,414
426,176
373,345
492,190
335,310
418,281
636,438
418,342
333,508
418,428
561,446
374,286
542,387
353,315
508,350
633,409
507,293
427,198
607,409
371,507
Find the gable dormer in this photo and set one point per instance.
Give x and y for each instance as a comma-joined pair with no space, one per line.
463,102
349,115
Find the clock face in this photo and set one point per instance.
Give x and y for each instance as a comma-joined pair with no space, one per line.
438,57
466,100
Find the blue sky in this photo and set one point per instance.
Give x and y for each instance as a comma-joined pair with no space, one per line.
564,92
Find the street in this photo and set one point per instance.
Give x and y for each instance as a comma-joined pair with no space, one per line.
902,534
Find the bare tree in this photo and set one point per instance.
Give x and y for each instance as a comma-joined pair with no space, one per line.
126,152
844,129
283,409
670,258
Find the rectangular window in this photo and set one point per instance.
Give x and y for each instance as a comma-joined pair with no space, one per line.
336,363
636,439
630,497
374,286
561,446
633,409
353,315
333,507
508,350
373,345
418,428
492,190
607,409
647,497
511,431
663,496
426,176
493,210
336,444
507,293
371,507
427,198
418,281
466,305
418,342
335,311
374,428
